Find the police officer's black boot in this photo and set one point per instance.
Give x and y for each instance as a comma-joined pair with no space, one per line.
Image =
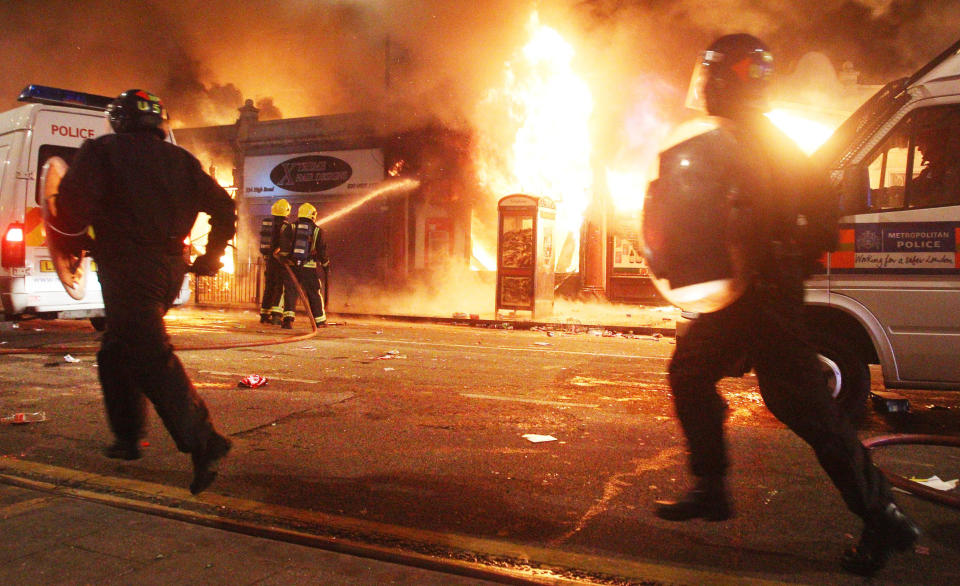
888,531
707,500
123,449
205,460
287,323
276,318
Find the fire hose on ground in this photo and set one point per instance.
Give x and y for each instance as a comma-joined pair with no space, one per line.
225,346
915,488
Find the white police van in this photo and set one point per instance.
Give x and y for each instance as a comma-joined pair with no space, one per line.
52,122
890,293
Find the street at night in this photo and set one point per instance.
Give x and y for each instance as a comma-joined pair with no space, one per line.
424,437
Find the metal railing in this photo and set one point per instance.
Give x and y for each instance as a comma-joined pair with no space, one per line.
242,287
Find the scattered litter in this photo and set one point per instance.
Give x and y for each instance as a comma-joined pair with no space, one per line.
19,418
595,332
888,402
537,438
474,316
459,315
388,369
390,355
38,329
378,332
934,482
541,343
15,326
252,381
70,359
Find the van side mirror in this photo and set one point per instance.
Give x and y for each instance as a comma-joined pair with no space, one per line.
854,187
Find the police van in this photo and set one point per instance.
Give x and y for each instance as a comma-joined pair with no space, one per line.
51,123
890,293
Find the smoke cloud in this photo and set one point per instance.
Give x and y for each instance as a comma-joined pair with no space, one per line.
422,59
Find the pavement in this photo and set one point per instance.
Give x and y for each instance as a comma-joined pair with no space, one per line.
53,537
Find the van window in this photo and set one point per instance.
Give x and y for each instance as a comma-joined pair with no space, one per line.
918,165
47,151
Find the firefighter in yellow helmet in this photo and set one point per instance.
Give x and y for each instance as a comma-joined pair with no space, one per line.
270,229
305,251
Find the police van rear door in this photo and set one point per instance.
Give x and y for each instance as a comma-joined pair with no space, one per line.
57,131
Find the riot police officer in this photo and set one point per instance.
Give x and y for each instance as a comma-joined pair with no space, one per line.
306,251
755,191
270,231
141,195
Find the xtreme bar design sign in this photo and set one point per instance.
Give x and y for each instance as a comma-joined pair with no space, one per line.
924,247
305,173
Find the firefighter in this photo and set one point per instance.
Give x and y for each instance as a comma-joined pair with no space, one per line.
273,271
305,251
141,195
765,182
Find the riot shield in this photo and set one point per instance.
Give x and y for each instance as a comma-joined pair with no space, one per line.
66,250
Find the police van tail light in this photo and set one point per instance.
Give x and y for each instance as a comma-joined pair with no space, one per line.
13,253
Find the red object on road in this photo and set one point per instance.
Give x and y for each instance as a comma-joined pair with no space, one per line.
253,381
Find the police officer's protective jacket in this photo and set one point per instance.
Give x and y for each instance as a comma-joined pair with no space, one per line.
136,189
733,203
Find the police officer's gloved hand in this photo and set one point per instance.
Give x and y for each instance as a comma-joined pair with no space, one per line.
208,264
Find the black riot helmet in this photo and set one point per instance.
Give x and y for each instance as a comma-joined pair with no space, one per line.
732,77
137,110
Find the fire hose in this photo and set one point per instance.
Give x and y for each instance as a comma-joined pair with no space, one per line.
225,346
913,487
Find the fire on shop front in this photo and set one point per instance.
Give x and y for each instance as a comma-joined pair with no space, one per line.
410,215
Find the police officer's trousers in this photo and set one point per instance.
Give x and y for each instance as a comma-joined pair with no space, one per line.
767,328
136,360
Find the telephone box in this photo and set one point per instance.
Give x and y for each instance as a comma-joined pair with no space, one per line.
525,254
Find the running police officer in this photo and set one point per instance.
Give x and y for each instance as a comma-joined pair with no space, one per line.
306,250
141,196
273,271
739,167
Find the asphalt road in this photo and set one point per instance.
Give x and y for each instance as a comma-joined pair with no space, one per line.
422,432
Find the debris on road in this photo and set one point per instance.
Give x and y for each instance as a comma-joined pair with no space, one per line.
21,418
537,438
390,355
934,482
252,381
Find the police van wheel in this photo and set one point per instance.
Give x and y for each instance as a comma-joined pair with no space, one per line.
847,376
98,323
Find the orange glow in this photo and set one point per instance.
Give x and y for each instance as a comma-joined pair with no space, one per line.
802,128
535,137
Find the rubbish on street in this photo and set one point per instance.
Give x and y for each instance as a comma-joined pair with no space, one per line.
71,359
390,355
937,484
19,418
888,402
537,438
252,381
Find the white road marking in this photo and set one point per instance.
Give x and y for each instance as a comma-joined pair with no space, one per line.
270,377
481,347
524,400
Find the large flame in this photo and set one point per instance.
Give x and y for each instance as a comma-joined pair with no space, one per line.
544,151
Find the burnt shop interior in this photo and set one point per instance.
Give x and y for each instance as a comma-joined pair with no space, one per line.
395,207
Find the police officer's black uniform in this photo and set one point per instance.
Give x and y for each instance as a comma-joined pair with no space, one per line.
141,195
306,251
765,324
